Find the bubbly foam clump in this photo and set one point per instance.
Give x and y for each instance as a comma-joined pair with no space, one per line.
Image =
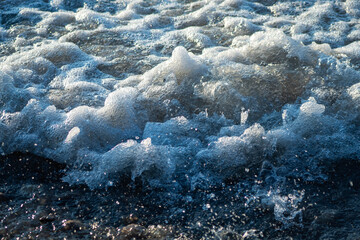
352,7
137,159
240,26
274,46
312,108
58,19
227,154
58,54
88,16
66,4
181,65
354,92
352,50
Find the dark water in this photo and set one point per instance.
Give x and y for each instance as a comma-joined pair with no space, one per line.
45,207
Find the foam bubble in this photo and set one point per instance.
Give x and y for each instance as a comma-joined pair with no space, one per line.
181,64
57,19
66,4
311,107
240,26
352,7
92,17
227,154
138,159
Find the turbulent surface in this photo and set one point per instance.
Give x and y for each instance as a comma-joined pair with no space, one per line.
184,95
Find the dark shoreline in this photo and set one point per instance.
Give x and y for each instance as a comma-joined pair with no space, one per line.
36,204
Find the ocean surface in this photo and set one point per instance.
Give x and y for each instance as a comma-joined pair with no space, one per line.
183,98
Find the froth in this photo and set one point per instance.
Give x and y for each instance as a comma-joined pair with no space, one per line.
159,89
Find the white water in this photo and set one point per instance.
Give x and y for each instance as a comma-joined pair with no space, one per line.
172,90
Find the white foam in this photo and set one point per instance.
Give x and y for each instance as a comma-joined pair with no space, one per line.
57,19
138,159
204,88
181,64
312,107
227,154
354,93
352,7
127,14
240,26
351,50
273,45
88,16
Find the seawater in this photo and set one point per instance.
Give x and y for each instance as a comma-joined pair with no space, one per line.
183,94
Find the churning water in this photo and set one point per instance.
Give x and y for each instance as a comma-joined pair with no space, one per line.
183,95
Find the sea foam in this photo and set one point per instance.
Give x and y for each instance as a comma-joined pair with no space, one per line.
155,91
